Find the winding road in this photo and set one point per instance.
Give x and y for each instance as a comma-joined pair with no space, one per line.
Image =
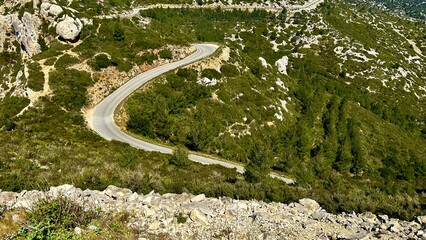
102,117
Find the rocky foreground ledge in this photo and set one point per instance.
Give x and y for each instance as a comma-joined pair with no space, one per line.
183,216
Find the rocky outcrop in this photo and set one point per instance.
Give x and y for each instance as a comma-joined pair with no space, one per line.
5,27
27,32
183,216
49,10
69,28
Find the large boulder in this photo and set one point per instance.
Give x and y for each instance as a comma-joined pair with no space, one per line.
50,10
27,32
69,28
310,205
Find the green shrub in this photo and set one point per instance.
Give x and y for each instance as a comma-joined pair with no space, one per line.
36,77
147,58
229,70
101,61
165,54
179,157
66,61
211,73
181,218
118,33
56,218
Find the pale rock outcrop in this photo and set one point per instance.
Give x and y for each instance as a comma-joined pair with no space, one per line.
27,32
204,217
282,65
49,10
69,28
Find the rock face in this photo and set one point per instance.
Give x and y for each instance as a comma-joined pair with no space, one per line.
27,32
185,216
69,28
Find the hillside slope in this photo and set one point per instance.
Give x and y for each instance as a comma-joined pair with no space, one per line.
333,97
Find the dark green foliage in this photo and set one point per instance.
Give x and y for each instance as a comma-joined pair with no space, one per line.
42,43
9,108
181,218
70,88
141,124
229,70
36,77
102,61
179,158
165,54
211,74
258,163
147,58
118,33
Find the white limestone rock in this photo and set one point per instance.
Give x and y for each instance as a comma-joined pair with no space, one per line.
282,65
69,28
27,32
50,10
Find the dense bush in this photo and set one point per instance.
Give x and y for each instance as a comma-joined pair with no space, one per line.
102,61
165,54
229,70
56,218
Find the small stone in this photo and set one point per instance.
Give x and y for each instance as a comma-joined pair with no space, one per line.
16,218
8,198
396,227
23,204
77,231
198,198
92,228
384,218
420,233
359,235
154,226
319,215
117,193
133,197
422,220
198,217
147,199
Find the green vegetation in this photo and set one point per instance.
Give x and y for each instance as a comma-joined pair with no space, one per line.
348,148
57,218
36,81
179,158
411,8
336,140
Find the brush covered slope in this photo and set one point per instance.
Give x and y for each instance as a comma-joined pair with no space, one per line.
333,97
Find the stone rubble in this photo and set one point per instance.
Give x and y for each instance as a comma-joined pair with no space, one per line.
185,216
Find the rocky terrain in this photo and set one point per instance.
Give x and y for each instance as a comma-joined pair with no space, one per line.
186,216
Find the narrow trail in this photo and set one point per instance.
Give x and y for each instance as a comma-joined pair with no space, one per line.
102,116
